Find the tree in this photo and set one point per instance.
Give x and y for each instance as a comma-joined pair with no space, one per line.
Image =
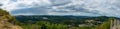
44,26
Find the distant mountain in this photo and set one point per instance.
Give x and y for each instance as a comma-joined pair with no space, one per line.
59,19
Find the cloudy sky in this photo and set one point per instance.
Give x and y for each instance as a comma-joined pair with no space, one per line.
62,7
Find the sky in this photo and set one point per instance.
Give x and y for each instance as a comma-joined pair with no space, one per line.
62,7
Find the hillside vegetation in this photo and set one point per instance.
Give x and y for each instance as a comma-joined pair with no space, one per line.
63,22
6,21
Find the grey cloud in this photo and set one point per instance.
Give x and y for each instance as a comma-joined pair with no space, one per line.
76,7
35,10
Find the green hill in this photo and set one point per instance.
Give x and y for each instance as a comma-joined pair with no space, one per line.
64,22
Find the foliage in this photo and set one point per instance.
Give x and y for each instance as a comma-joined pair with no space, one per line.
63,22
3,12
105,25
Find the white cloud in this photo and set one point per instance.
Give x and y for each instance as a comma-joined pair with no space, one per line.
10,5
